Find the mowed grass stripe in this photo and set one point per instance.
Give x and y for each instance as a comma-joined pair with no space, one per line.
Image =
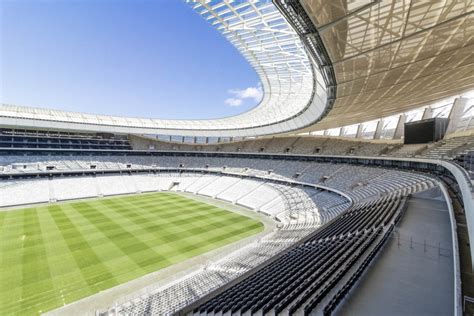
82,251
180,232
193,234
69,283
155,228
113,259
138,251
2,218
171,233
203,224
148,262
163,237
36,278
35,271
180,220
160,207
11,271
106,242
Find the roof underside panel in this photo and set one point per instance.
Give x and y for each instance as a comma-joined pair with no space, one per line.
393,56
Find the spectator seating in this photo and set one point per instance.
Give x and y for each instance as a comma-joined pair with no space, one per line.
408,150
322,145
466,160
349,230
302,278
38,139
449,148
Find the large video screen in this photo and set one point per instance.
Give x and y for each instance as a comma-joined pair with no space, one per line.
420,132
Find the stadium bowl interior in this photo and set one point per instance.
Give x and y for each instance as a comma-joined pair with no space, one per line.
348,190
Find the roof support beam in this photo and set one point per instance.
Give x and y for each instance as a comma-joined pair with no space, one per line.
455,115
359,130
405,37
400,129
378,129
327,26
427,113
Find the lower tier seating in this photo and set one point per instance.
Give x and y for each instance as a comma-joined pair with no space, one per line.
269,186
324,266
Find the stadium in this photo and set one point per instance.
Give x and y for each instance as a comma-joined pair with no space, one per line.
348,189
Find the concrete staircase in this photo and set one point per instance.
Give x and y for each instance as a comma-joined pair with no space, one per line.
450,148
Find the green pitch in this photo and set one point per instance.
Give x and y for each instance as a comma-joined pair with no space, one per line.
56,254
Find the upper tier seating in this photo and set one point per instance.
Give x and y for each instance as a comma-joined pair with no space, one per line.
321,145
37,140
408,150
449,148
466,160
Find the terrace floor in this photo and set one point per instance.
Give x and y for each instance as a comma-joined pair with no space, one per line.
414,273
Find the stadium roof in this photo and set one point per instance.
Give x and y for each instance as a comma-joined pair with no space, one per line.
393,56
292,99
382,58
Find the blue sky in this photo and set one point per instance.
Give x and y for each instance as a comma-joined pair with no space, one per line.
132,58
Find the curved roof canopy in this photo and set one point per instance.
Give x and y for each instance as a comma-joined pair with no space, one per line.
375,57
393,56
292,98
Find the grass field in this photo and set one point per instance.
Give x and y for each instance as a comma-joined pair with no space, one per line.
55,254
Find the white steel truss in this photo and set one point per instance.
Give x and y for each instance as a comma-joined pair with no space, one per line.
294,91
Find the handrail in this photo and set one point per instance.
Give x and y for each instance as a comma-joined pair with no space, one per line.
467,299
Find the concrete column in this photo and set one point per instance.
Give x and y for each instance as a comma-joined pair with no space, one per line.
456,113
427,114
400,129
342,132
468,123
359,130
378,130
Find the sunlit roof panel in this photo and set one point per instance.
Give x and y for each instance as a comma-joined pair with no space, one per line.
263,36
